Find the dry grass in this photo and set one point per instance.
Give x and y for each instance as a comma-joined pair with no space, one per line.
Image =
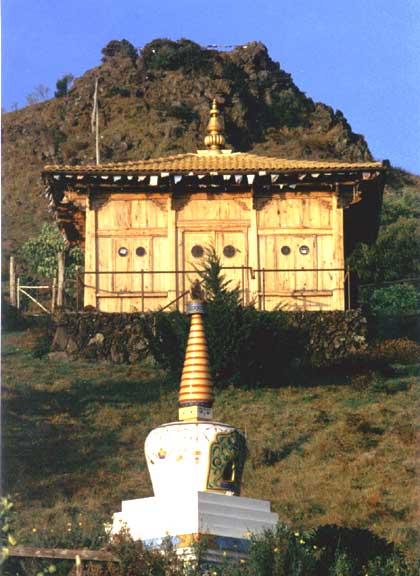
74,435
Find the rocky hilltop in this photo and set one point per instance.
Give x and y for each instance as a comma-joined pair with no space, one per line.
155,103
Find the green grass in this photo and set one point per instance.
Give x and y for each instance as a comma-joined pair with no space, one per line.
73,436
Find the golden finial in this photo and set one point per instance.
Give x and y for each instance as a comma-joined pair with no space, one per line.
215,139
196,390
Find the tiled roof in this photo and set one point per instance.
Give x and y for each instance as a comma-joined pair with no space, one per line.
223,163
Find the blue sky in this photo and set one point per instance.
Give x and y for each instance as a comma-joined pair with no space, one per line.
360,56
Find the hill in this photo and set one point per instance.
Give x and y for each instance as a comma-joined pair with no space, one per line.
157,103
339,452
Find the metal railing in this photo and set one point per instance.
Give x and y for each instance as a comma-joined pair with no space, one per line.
245,278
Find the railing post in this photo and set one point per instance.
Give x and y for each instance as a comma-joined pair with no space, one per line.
348,287
263,289
78,565
12,282
54,294
142,290
18,294
77,288
60,279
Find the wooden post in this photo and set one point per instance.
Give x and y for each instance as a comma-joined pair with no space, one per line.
172,279
18,293
60,279
79,567
12,282
53,294
253,261
90,280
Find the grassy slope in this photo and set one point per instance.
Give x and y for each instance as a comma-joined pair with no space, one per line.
74,435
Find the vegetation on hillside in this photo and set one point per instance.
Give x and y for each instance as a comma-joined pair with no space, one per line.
334,451
395,256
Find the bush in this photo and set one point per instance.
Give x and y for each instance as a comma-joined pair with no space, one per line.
246,347
327,551
393,300
136,559
122,48
399,351
166,54
289,108
11,317
394,256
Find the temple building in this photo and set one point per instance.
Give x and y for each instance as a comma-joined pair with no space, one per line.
281,227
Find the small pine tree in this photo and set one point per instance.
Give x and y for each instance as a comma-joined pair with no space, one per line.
217,288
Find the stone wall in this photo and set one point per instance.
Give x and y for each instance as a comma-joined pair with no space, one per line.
118,338
99,336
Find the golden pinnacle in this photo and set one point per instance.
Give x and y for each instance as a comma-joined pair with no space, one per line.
215,139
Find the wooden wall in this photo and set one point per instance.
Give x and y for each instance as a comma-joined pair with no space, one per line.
142,233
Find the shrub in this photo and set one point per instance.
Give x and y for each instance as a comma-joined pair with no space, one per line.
11,317
394,566
246,347
398,351
394,256
122,48
166,54
393,300
136,559
289,108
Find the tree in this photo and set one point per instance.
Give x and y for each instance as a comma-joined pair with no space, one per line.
39,255
122,48
62,85
39,94
395,255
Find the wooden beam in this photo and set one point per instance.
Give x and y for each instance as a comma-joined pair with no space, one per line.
61,553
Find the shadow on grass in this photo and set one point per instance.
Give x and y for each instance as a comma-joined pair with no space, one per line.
51,433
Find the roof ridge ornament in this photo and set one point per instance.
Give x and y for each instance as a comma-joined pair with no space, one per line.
215,139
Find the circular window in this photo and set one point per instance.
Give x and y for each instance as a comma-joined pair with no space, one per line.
285,250
123,251
197,251
140,251
304,249
229,251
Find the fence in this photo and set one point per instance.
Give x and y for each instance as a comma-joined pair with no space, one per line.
63,554
254,284
264,287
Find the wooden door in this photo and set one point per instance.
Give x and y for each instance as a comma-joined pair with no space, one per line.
305,257
282,258
232,249
193,249
141,262
105,265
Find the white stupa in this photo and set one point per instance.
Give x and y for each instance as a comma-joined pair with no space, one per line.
195,466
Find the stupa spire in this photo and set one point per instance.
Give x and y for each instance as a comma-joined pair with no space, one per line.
215,139
196,390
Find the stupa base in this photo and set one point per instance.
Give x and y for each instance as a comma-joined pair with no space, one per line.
225,522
